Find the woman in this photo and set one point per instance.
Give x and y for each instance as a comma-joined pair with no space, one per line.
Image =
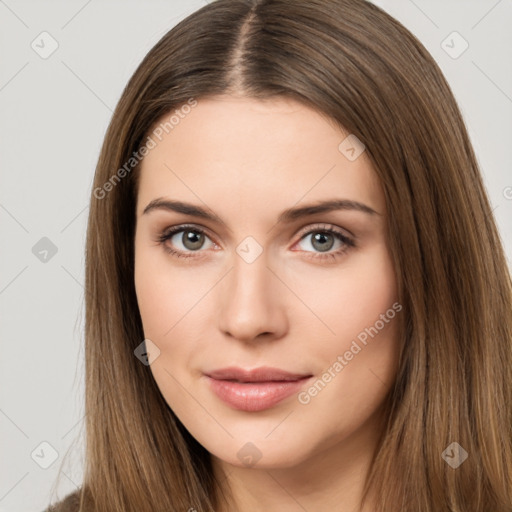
235,362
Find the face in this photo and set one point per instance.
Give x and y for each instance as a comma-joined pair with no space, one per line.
242,276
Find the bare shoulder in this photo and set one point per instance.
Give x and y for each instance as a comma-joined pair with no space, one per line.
70,503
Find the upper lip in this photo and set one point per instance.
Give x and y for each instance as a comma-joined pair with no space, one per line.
261,374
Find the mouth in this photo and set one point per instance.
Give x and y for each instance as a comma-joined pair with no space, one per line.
257,389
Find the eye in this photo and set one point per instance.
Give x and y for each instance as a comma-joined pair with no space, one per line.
323,238
191,239
186,240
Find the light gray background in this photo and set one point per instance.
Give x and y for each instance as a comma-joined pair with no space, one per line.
54,113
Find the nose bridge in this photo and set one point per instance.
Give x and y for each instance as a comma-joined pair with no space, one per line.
249,295
250,278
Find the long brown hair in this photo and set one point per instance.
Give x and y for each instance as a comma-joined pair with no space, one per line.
360,67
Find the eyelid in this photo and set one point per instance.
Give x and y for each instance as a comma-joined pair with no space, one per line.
172,230
322,226
300,234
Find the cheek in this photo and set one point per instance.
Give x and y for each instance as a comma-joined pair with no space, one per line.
173,304
157,305
358,355
351,297
164,299
166,294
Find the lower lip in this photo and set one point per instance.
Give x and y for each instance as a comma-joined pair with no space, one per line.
254,396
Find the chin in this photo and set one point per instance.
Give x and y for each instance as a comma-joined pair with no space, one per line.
260,454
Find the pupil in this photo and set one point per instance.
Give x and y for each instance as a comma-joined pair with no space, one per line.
189,242
320,237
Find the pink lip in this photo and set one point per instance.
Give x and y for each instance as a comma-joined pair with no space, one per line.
254,390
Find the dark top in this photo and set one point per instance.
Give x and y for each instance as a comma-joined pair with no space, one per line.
69,504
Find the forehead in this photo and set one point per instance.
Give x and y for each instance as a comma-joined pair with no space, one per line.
257,155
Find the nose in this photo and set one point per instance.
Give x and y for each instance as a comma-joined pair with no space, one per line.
251,302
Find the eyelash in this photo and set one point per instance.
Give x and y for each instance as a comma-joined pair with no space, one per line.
348,242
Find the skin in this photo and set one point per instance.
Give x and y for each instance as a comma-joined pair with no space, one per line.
248,160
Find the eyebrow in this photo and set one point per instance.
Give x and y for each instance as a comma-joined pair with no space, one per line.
286,216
